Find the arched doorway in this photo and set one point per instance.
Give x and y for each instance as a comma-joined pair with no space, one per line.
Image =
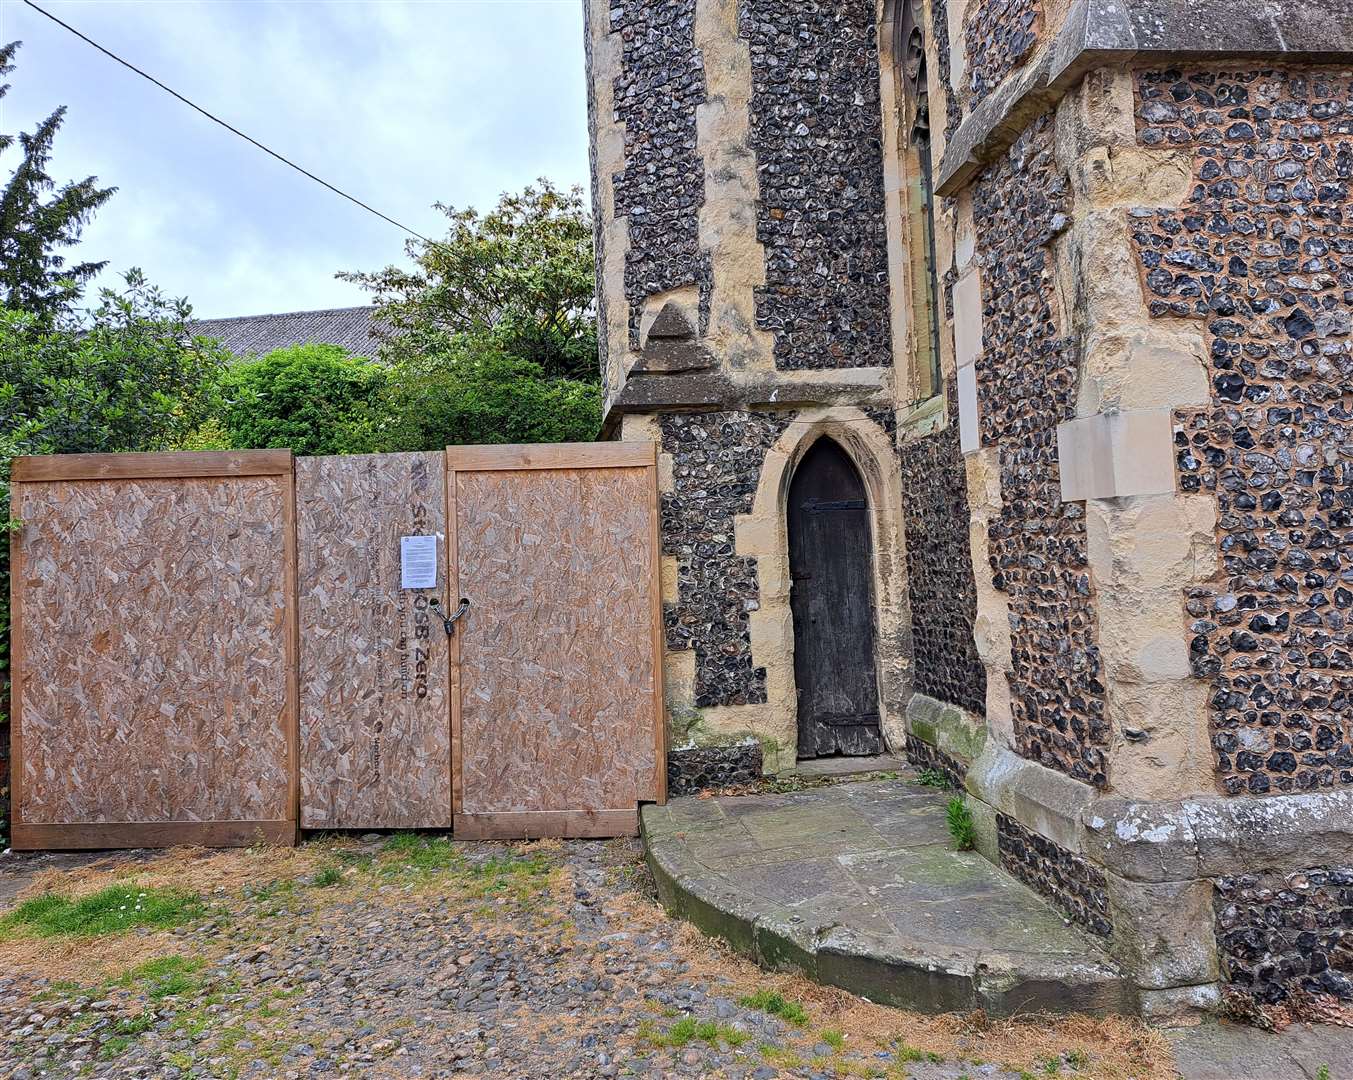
832,600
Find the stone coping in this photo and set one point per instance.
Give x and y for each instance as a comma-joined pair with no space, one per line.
1188,839
856,886
1102,33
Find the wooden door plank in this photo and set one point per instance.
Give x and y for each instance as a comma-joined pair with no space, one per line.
539,825
559,662
154,677
454,590
659,638
611,455
99,836
158,466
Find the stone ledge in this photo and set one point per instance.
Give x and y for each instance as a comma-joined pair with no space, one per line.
946,727
1211,837
648,393
1041,799
1102,33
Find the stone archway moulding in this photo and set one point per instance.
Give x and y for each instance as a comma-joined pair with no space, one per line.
763,533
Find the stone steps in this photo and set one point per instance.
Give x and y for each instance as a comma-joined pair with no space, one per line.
856,885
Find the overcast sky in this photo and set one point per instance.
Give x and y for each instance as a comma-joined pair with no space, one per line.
400,102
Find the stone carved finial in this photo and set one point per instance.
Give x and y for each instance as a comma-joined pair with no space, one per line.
670,346
671,324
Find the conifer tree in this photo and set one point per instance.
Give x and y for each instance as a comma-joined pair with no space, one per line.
38,219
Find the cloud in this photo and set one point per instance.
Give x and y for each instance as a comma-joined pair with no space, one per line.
400,103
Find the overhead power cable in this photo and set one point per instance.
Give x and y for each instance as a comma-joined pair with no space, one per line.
229,127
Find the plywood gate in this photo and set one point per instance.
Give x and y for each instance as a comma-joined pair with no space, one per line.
557,694
375,731
183,675
153,650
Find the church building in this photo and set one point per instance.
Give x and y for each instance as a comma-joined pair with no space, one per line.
998,357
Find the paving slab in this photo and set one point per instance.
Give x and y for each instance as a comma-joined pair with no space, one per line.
857,885
1221,1051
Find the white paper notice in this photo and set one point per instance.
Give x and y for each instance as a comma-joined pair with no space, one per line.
417,562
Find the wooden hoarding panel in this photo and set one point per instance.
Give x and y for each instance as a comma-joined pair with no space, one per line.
153,682
558,683
375,726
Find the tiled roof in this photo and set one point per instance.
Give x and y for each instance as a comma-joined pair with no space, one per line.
244,335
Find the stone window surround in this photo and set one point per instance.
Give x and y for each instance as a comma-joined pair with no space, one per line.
915,385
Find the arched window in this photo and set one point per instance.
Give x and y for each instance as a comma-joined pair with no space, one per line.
909,60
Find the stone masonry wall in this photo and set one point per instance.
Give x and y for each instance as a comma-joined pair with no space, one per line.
598,214
1262,252
700,768
716,466
1075,885
999,36
1026,376
1276,933
939,571
662,186
816,129
953,111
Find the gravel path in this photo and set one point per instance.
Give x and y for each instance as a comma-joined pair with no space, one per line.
367,958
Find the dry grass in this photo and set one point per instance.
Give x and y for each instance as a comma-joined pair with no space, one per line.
1116,1048
190,869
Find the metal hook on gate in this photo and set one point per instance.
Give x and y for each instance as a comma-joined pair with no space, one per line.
449,621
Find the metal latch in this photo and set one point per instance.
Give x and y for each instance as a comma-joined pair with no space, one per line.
449,621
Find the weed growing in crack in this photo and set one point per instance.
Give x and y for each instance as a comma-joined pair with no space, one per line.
961,826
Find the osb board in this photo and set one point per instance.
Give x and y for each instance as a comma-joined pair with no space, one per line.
153,669
557,661
375,712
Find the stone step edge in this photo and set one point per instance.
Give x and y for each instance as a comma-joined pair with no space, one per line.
999,983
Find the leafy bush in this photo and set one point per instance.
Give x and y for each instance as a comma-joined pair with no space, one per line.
519,279
313,399
455,397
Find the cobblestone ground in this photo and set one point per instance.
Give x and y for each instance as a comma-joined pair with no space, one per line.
418,957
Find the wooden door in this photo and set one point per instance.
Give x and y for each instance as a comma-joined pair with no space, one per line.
830,562
557,721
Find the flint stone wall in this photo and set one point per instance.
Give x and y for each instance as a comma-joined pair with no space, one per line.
1262,253
999,36
716,467
940,578
1277,933
923,755
1074,884
701,768
1027,377
662,186
817,132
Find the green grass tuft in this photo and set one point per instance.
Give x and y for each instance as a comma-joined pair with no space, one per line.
167,976
327,876
109,911
961,826
768,1001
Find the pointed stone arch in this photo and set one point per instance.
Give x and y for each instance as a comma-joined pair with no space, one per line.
763,533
